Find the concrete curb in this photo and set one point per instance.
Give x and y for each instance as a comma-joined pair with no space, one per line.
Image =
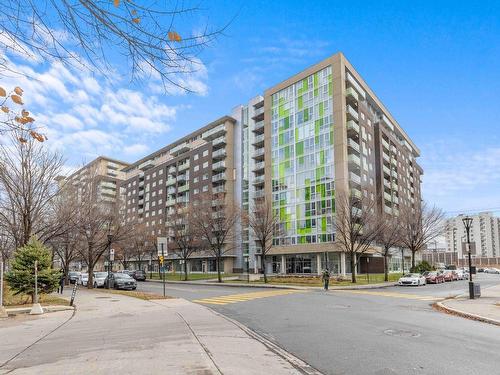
26,310
296,362
275,286
442,307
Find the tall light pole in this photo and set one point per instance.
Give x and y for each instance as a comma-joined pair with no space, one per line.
468,224
3,312
110,239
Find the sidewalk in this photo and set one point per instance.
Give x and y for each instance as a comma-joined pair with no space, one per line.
112,334
486,308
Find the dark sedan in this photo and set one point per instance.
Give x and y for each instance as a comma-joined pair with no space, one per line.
139,275
122,281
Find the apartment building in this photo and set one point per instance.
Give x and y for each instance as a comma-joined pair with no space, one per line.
485,232
326,133
107,173
158,185
314,136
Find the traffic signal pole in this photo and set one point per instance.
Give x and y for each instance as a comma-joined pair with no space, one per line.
163,268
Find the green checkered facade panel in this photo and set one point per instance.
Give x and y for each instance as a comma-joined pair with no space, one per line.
302,159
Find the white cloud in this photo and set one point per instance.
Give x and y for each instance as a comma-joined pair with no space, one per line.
136,149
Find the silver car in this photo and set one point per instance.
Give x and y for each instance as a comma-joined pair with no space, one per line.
100,279
122,281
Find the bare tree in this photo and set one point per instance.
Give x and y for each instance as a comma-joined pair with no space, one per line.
28,188
183,237
141,242
420,226
264,222
214,222
65,247
357,227
152,37
99,223
6,249
388,238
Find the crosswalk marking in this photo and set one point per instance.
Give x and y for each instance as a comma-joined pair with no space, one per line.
393,295
243,297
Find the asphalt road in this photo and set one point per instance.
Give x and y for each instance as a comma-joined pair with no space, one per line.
379,331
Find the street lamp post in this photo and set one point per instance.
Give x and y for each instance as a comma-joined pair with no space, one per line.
110,264
468,224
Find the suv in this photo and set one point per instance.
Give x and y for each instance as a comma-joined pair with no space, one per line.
139,275
73,276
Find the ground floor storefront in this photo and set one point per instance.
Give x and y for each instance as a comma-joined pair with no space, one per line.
338,263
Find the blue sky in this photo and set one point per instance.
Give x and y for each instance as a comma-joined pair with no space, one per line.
435,64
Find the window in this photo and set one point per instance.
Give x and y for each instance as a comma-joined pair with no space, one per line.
154,175
196,179
205,153
196,168
195,157
205,164
205,188
160,172
196,191
205,176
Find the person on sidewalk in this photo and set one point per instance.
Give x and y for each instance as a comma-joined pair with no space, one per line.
62,279
326,278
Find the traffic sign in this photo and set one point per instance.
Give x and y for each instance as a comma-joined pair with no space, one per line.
161,258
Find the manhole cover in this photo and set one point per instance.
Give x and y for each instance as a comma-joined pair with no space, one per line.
401,333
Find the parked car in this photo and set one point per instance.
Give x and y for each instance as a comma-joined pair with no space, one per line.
84,279
73,276
127,272
433,277
120,280
100,279
140,275
412,279
450,275
480,269
460,274
493,270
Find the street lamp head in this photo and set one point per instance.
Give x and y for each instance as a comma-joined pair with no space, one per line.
467,222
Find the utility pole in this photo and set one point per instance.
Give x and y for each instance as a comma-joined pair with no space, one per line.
163,267
467,224
3,312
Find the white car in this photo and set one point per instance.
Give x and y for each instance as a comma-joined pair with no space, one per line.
99,279
412,279
492,270
84,279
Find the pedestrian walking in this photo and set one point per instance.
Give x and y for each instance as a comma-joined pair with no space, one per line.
62,279
326,278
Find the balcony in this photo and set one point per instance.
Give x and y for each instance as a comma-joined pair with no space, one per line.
219,189
141,183
171,190
259,194
141,201
219,177
182,199
218,203
395,199
394,162
184,166
353,144
387,196
354,159
352,126
171,170
350,93
258,153
386,170
356,193
220,153
394,174
183,147
219,166
354,178
183,188
258,112
387,184
147,164
386,157
258,166
170,202
214,132
259,126
170,181
387,209
219,141
385,144
258,140
258,180
352,114
182,178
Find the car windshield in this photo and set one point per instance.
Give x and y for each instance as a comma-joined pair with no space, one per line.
84,275
100,274
121,276
72,273
411,275
430,273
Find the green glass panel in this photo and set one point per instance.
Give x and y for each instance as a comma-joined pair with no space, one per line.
300,102
306,114
300,148
315,80
307,193
323,224
321,109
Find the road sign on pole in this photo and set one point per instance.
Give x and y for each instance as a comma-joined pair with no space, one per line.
162,256
111,255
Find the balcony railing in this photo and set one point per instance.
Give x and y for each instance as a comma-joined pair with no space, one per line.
351,93
353,144
351,113
259,125
183,188
183,166
259,180
352,126
219,141
219,153
354,178
218,166
171,181
258,139
218,177
258,153
354,159
258,166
